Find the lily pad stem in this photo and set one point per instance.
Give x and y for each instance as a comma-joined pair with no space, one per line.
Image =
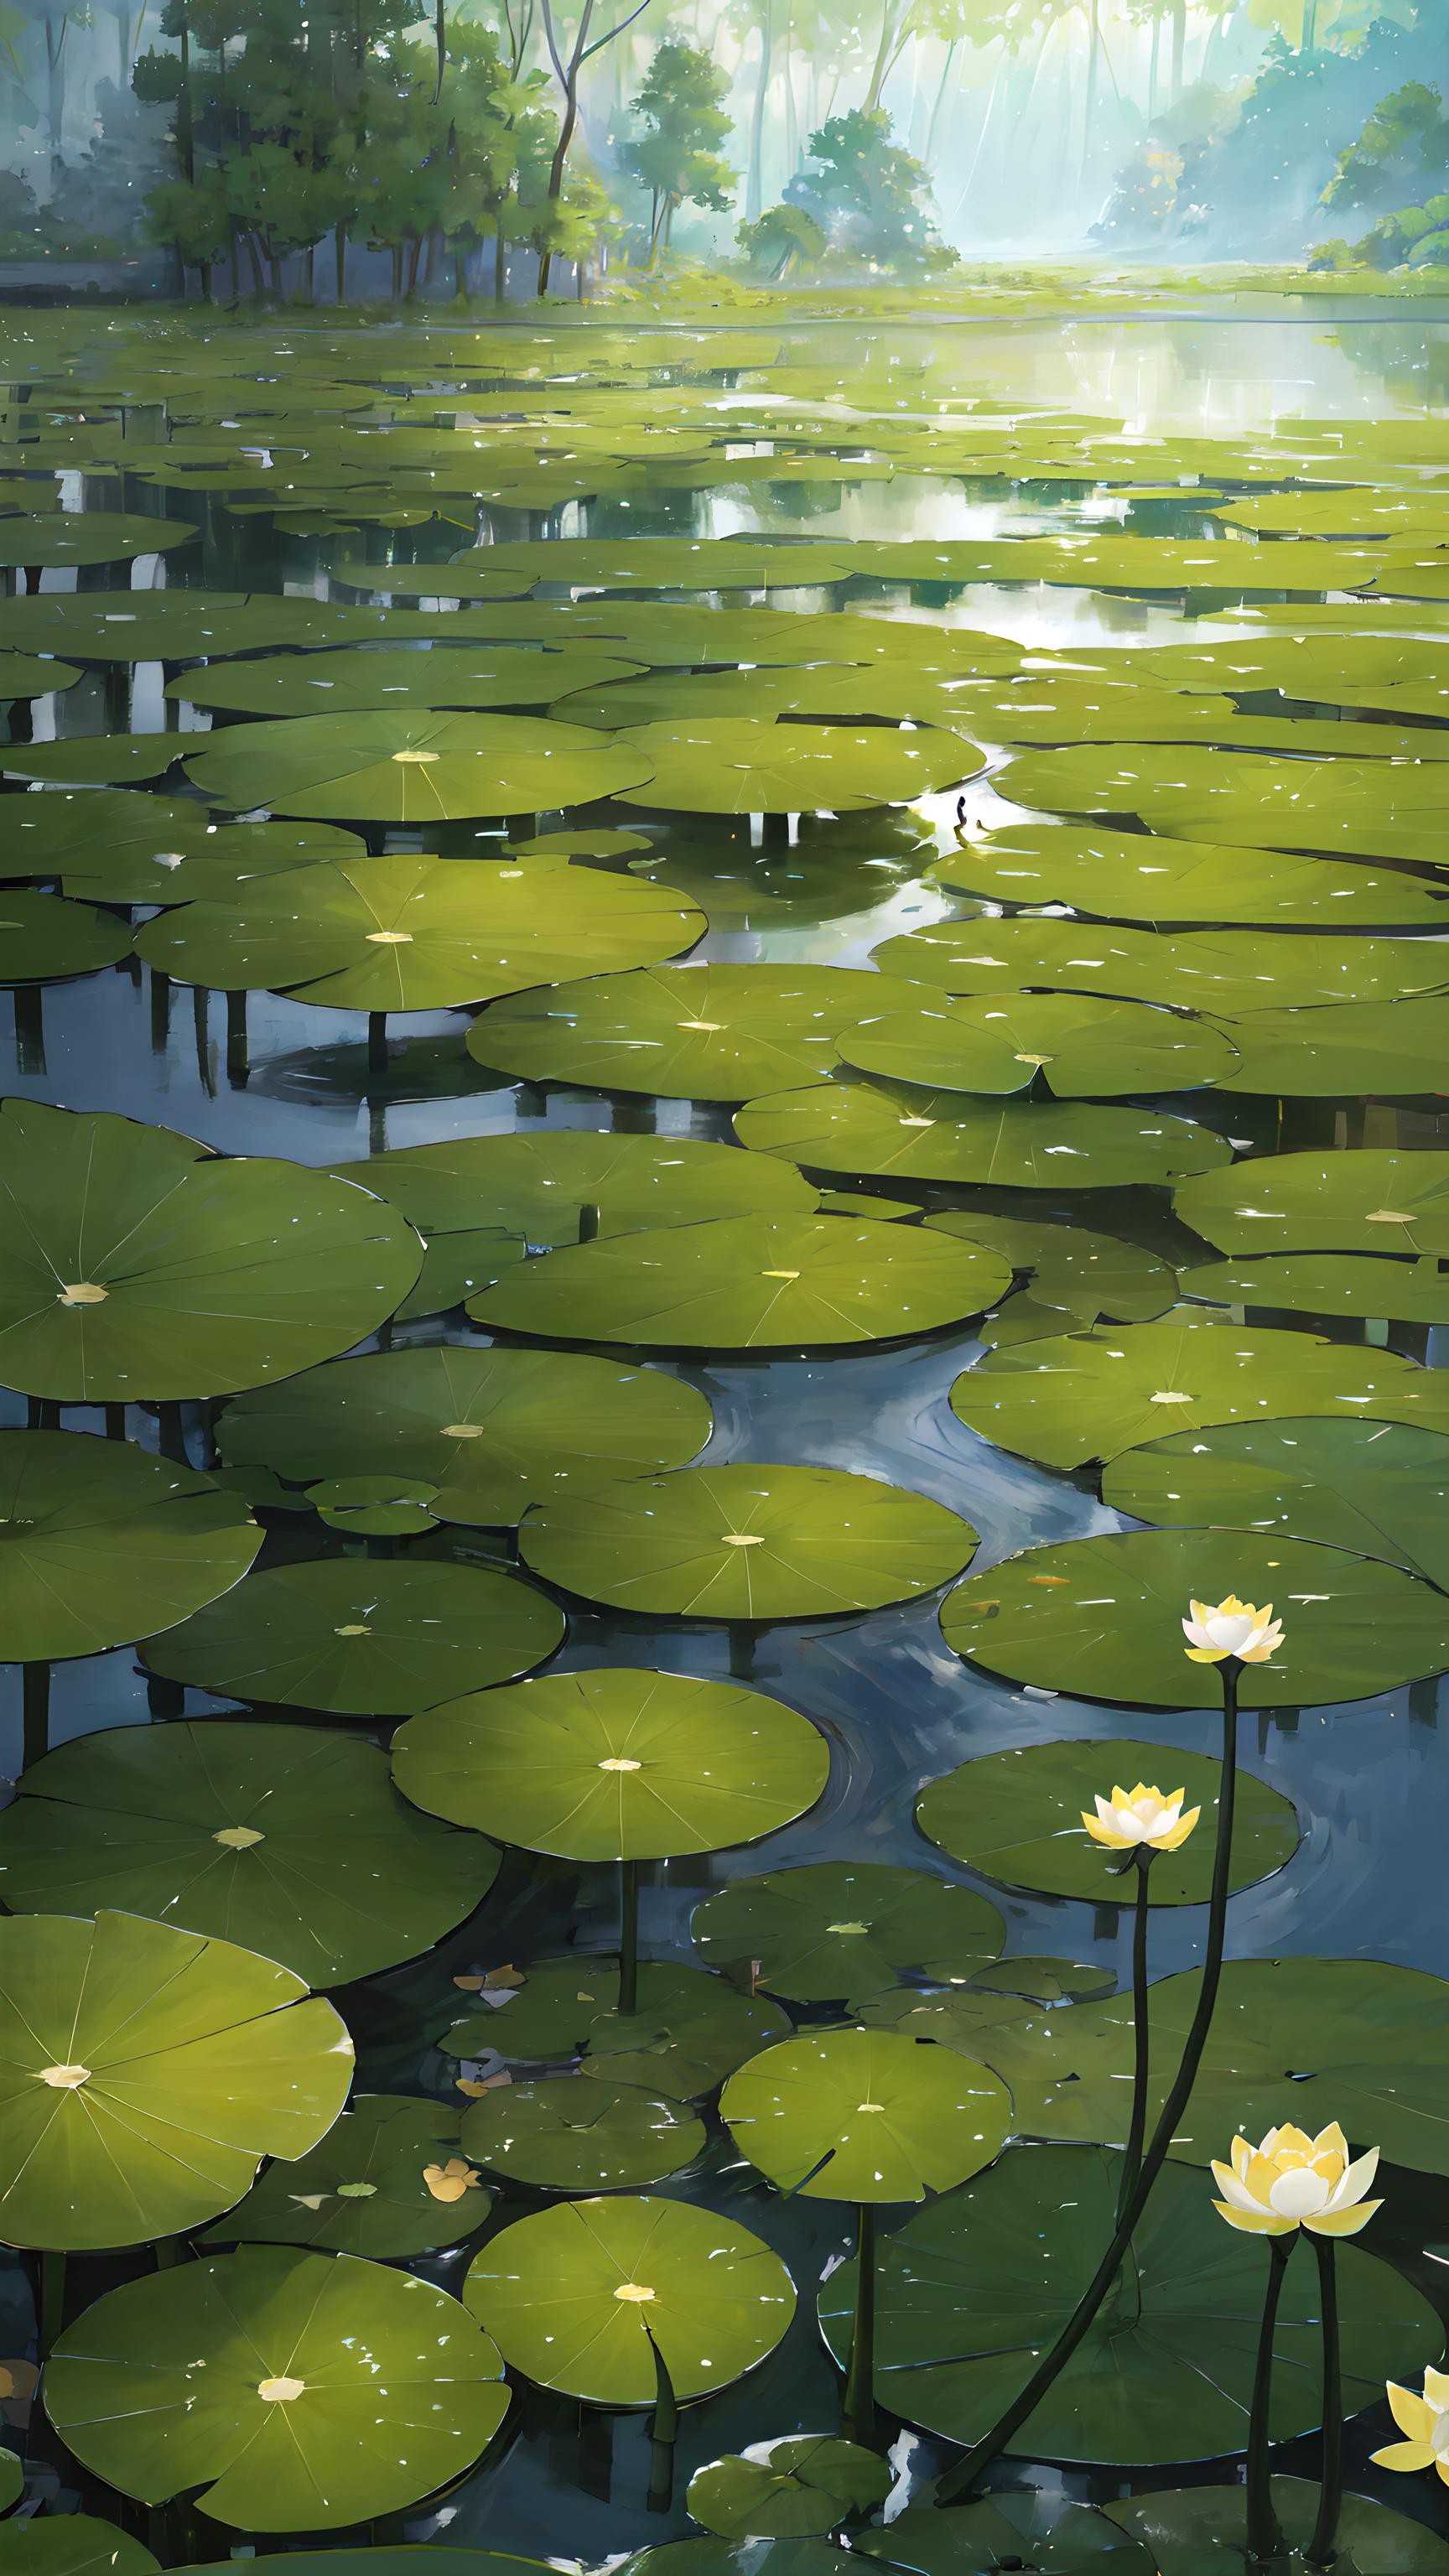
1142,1860
857,2418
1325,2531
589,1221
663,2433
956,2487
1265,2532
51,2320
34,1712
377,1042
628,1936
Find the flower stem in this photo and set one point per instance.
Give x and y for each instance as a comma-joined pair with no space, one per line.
957,2485
1325,2530
628,1936
1265,2532
857,2420
1141,2035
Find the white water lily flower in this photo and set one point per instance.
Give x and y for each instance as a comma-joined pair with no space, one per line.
1141,1816
1232,1627
1293,2180
1425,2420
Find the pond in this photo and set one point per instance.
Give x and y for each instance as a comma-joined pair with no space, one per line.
1169,914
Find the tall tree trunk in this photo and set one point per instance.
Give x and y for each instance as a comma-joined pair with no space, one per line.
754,175
185,113
339,253
500,266
1152,61
55,35
928,154
1089,103
1310,27
881,66
259,283
1179,41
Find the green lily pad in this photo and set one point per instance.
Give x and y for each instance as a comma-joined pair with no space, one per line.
491,1431
1218,971
666,563
1016,1817
1365,1202
578,844
548,2289
361,1640
537,1186
402,2560
420,769
168,2067
693,1032
972,2290
839,1928
902,1131
138,1266
688,2033
92,760
916,692
1366,1048
43,937
1079,1047
72,2544
1345,808
1047,1981
289,1841
1132,563
445,676
1132,876
195,862
180,625
615,1764
1199,2531
23,676
561,2134
1376,1487
1340,670
1081,1396
1327,1283
865,2115
84,828
1101,1618
98,1542
415,934
362,2190
376,1506
747,1542
716,2557
1033,2531
799,2484
300,2392
729,765
1072,1274
458,1266
73,537
748,1283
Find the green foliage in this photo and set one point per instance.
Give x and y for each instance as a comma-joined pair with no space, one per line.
782,236
683,121
868,196
1405,141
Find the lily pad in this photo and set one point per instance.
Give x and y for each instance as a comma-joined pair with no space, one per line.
1327,1283
972,2290
1134,876
22,675
1364,1202
136,1265
692,1032
1101,1618
667,563
69,538
419,769
920,693
1016,1817
699,2293
43,937
562,2134
1071,1273
1033,2531
300,2392
716,2557
688,2033
362,1640
1202,2531
747,1542
458,1266
1388,1050
448,675
748,1283
799,2484
376,1506
729,765
537,1186
415,934
615,1764
147,2072
837,1928
1342,807
195,863
1076,1046
903,1131
182,624
865,2115
72,2544
287,1840
99,1541
492,1431
1218,971
1379,1488
364,2189
92,760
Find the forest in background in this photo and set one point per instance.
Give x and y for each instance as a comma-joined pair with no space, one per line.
395,147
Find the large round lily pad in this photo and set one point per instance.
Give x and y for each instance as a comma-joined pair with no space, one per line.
492,1431
364,1640
1017,1818
1388,1049
1135,876
921,693
1032,2530
695,1032
842,1928
181,625
209,863
590,2297
729,765
1071,1275
748,1542
24,675
903,1131
1366,809
43,937
563,2134
416,934
72,2544
100,1543
378,2184
688,2032
1077,1046
422,768
973,2290
1203,2531
300,2392
1081,1396
288,1840
1380,1488
71,538
865,2115
614,1764
538,1186
666,563
748,1283
1101,1618
136,1265
1218,971
1327,1283
146,2072
1365,1202
800,2483
92,760
448,675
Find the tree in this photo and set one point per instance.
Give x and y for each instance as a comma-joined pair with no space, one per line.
867,195
783,235
1404,143
681,109
568,62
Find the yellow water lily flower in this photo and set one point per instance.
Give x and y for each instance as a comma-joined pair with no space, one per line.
1426,2422
1141,1817
450,2181
1293,2180
1232,1627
